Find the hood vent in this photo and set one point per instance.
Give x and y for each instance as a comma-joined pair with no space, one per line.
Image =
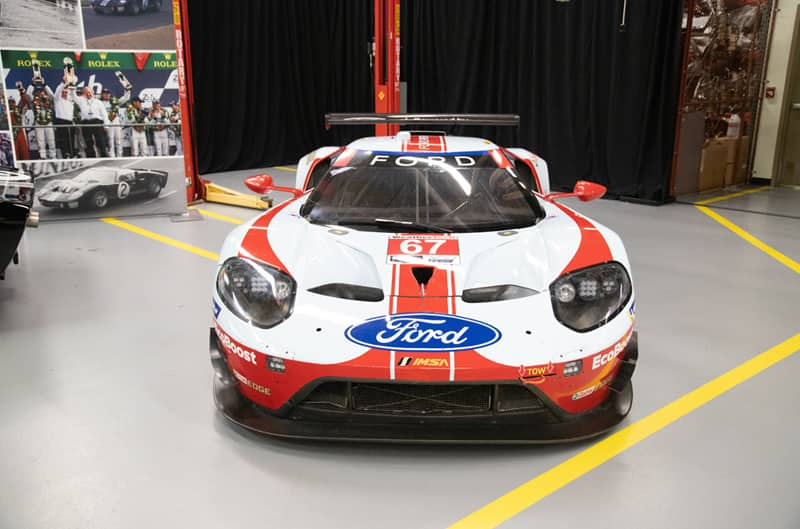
346,291
496,293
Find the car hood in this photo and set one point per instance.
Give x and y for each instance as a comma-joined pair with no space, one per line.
316,255
64,186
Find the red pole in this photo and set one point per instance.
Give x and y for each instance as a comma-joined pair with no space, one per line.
386,65
194,185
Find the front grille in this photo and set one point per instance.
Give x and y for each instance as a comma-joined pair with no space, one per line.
422,399
511,398
435,400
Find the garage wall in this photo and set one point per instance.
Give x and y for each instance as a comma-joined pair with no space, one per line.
764,163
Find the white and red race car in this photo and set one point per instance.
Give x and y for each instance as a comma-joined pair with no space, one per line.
423,287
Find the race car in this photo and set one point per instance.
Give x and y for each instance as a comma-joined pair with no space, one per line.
16,199
99,186
130,7
421,287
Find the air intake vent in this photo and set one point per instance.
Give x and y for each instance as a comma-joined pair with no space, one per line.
345,291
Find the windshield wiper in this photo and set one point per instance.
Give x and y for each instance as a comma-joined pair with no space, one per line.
392,223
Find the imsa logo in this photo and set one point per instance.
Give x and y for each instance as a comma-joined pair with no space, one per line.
410,361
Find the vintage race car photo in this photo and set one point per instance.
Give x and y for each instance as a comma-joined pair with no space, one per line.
16,199
97,187
129,7
424,288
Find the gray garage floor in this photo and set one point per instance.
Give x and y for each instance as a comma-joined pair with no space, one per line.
106,417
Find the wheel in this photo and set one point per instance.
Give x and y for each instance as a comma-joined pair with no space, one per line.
99,199
135,7
153,188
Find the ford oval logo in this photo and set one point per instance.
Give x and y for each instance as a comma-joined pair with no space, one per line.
423,331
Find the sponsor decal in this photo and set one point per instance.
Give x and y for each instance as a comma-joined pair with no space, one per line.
536,374
217,308
235,349
410,361
604,358
276,364
103,64
427,249
585,392
27,63
632,312
424,332
536,371
250,384
384,160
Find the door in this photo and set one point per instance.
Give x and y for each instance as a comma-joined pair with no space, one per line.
789,168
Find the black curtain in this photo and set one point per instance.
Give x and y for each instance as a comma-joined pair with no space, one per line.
265,72
596,101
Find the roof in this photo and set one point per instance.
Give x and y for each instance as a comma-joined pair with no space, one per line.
419,142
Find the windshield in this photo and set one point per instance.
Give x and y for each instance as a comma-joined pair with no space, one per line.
420,192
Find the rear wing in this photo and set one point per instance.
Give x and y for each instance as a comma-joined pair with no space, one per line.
500,120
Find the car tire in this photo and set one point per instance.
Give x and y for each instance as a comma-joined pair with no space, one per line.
135,7
99,199
153,188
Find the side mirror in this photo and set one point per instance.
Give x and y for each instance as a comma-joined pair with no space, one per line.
263,182
260,183
585,191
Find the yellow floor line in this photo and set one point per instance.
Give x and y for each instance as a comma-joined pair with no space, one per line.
217,216
160,238
769,250
729,196
529,493
284,168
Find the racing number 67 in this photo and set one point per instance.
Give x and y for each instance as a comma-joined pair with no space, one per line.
417,246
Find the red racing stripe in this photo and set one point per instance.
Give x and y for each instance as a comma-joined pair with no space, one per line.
256,245
500,159
423,365
425,144
593,248
345,157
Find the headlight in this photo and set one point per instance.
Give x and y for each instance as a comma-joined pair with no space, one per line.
259,294
586,299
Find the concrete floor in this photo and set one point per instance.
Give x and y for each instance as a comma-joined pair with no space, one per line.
107,421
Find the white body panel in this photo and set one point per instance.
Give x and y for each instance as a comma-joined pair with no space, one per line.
532,257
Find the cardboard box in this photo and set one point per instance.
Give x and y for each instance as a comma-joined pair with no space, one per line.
742,159
713,164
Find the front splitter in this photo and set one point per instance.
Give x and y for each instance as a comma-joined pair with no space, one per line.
492,430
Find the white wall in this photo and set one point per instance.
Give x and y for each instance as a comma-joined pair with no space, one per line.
771,109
